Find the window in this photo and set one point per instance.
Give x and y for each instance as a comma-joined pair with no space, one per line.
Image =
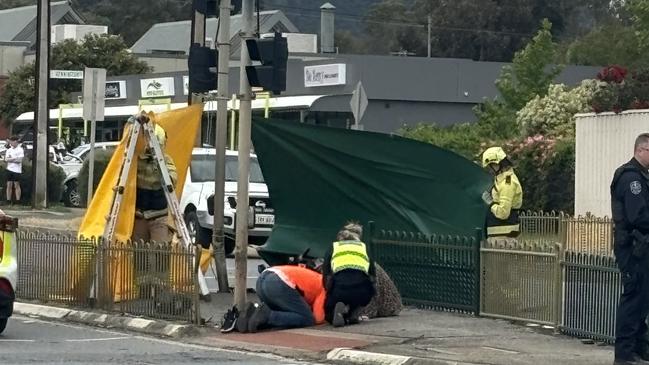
202,169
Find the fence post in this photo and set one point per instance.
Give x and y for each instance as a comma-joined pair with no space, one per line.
558,286
370,240
196,291
478,271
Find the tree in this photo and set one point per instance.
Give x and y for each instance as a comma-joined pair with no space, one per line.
131,19
554,114
639,10
9,4
109,52
529,75
388,26
613,43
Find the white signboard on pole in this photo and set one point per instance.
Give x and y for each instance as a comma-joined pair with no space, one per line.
94,94
66,74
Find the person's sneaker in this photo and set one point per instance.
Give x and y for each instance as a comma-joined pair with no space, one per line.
259,318
230,320
339,314
244,317
355,316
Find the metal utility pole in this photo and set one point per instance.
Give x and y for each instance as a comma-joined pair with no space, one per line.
430,23
245,120
197,36
220,140
39,167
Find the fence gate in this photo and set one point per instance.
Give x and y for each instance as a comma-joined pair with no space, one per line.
521,281
436,271
592,291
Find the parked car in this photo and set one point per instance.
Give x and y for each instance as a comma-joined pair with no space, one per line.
199,188
72,163
8,268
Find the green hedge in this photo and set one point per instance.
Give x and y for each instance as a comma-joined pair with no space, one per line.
55,179
545,167
102,158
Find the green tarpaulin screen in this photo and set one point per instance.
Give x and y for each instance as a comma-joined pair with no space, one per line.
319,177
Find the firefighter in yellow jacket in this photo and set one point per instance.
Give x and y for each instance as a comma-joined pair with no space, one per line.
151,212
506,195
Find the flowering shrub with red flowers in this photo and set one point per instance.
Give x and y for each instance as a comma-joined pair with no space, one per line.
622,90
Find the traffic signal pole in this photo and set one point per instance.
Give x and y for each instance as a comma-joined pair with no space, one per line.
220,140
41,122
245,121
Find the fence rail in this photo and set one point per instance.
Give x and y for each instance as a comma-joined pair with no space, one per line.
521,281
560,271
592,290
148,279
433,271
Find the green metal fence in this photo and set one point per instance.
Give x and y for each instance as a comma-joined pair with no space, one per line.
432,271
592,290
138,278
560,272
521,280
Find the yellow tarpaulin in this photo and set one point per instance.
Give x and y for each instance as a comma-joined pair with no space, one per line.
181,126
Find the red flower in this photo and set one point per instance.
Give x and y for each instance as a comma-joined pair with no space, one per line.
613,73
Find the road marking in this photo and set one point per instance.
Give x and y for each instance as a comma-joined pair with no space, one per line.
99,339
174,343
441,351
501,350
11,340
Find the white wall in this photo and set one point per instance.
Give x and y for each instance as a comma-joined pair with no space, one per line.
77,32
11,57
603,142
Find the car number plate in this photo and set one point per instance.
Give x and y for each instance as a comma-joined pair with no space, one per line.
265,219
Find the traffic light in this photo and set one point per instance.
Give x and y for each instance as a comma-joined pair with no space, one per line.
273,55
201,78
206,7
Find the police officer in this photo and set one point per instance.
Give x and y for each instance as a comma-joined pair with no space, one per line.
630,210
506,196
348,276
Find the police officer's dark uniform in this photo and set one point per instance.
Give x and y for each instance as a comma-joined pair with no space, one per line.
630,209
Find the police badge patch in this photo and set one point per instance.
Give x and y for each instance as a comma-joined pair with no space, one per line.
636,187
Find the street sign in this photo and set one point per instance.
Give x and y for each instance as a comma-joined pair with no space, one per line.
359,104
94,100
66,74
94,93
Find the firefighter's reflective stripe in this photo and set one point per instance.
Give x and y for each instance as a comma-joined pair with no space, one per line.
350,255
503,227
503,230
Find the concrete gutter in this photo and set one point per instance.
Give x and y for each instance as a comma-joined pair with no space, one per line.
141,325
351,356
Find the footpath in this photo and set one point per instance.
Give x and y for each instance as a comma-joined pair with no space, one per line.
416,336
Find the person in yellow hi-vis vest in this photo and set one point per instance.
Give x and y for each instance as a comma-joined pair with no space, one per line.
151,210
506,196
120,271
150,200
348,275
